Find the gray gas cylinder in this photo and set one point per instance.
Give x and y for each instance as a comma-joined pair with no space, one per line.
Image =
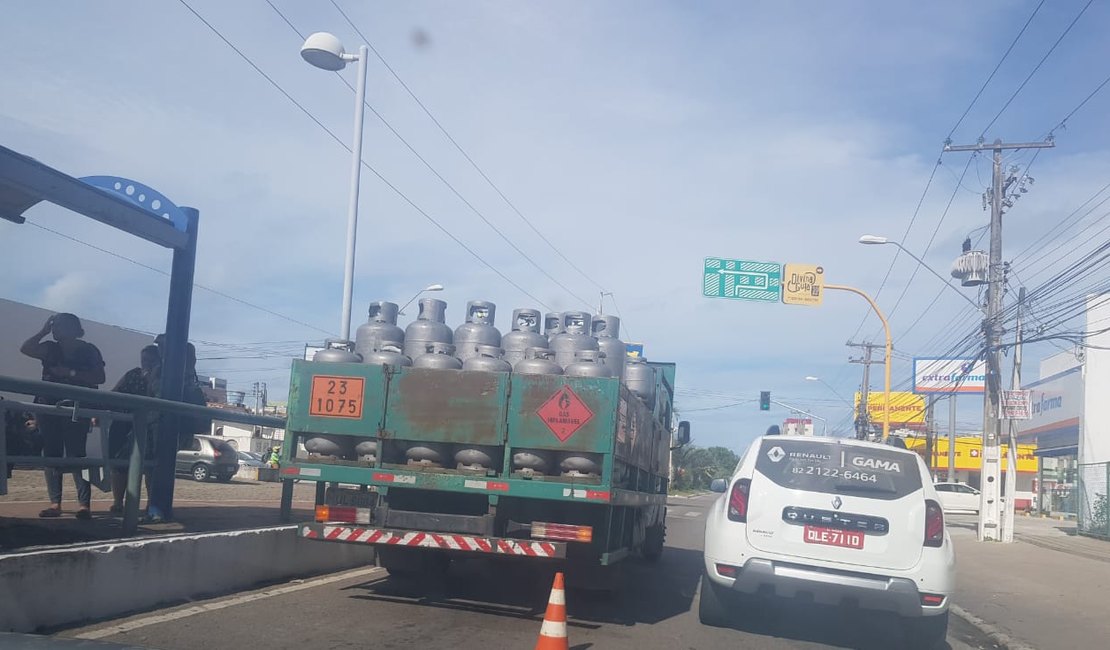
477,330
607,330
538,361
588,363
580,463
381,327
552,324
474,457
574,337
335,351
488,359
640,379
525,334
429,454
429,327
440,356
534,461
389,355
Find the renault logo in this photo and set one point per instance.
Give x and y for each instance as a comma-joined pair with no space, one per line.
776,454
837,503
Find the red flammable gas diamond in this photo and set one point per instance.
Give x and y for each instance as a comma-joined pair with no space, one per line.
564,413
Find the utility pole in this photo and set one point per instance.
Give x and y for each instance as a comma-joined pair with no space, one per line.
863,413
930,437
1011,447
952,436
990,467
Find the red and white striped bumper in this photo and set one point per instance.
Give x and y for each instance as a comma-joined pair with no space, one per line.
445,541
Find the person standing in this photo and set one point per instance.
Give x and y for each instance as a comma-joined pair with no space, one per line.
65,360
137,381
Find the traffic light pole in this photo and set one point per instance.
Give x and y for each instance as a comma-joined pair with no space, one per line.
795,409
889,351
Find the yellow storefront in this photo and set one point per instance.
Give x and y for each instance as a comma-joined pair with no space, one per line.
968,453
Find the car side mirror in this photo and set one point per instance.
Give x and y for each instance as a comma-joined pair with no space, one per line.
718,485
683,433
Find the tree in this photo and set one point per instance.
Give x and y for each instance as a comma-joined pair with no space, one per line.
696,467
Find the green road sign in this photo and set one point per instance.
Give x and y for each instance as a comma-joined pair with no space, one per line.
741,280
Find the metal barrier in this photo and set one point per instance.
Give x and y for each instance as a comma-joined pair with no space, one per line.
140,410
1093,508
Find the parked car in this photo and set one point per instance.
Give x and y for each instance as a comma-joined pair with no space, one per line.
208,456
251,459
958,497
832,521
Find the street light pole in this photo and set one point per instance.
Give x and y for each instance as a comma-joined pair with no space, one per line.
873,240
324,51
889,351
430,287
834,392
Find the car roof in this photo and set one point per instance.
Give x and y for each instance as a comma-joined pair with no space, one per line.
850,442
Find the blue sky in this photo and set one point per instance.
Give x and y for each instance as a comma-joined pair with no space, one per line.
639,137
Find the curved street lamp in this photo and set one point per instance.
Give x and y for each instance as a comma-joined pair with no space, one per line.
325,51
430,287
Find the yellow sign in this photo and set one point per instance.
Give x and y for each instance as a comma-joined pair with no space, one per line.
802,284
905,408
969,452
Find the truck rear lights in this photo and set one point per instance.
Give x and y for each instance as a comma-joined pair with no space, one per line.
346,514
727,570
738,500
562,532
934,524
932,600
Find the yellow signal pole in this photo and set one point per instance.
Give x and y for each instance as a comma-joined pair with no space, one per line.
889,350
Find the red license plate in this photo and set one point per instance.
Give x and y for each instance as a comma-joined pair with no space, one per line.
833,537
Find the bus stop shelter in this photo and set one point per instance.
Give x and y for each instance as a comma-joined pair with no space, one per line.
140,211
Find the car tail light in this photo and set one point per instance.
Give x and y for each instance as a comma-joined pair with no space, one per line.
216,453
738,500
932,600
562,532
934,524
346,514
727,570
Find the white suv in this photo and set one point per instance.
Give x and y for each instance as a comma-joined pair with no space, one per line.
833,521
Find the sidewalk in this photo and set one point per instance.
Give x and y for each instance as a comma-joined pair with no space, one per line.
1046,590
198,507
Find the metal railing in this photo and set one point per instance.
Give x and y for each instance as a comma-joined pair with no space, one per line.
1093,503
109,406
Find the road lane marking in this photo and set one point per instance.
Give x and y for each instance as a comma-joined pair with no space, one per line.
693,513
214,605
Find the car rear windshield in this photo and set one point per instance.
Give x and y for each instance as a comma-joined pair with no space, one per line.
836,468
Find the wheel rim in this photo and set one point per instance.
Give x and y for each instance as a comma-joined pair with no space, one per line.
199,473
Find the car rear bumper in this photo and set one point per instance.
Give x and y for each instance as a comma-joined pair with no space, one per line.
830,587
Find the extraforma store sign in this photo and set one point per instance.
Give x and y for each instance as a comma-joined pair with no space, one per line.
940,375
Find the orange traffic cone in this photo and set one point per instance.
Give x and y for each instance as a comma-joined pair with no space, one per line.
553,634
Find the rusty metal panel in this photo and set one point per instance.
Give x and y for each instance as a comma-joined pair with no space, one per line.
587,423
447,406
360,414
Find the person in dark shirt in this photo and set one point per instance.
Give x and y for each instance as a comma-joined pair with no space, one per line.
137,381
65,360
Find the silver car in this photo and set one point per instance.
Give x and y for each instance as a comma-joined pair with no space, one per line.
208,456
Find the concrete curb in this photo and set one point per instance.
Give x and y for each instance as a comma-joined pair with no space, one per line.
57,587
993,632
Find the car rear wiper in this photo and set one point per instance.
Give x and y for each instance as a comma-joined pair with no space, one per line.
854,487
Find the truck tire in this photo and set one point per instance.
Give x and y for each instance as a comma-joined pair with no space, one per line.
654,538
712,604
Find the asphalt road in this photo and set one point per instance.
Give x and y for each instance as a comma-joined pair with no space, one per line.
486,605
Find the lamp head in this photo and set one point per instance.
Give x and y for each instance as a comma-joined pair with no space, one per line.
872,239
324,51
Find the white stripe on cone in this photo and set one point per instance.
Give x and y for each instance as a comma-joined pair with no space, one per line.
558,597
553,629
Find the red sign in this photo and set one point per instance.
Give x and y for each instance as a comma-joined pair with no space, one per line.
564,413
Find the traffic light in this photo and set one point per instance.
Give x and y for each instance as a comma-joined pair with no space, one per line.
765,401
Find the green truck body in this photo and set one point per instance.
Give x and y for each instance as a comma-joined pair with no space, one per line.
594,517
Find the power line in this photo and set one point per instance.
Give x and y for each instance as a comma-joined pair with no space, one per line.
1036,67
374,171
995,71
460,149
196,285
440,176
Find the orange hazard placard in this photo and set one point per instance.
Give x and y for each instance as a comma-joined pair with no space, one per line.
336,397
564,413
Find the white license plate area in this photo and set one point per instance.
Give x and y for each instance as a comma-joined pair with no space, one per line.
350,497
833,537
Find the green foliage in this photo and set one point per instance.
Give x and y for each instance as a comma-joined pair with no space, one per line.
696,467
1100,514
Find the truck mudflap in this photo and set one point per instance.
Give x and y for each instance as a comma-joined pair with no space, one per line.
353,534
